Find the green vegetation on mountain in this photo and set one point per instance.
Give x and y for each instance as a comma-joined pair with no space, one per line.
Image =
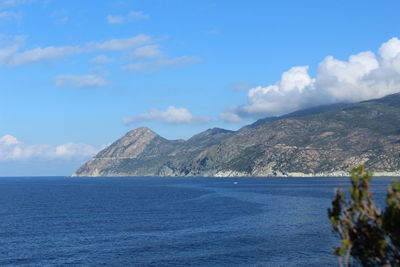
321,141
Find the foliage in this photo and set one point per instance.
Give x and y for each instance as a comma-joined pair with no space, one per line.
369,237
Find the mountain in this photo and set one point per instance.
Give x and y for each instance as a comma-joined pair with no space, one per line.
321,141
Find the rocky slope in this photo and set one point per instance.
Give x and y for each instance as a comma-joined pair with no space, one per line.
322,141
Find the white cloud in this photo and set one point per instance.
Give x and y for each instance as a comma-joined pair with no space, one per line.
71,150
363,76
177,61
41,54
120,44
8,140
102,59
390,52
11,54
285,94
137,15
100,70
9,50
131,16
160,64
230,117
172,115
140,50
12,3
7,15
136,67
81,81
239,86
147,52
114,19
13,150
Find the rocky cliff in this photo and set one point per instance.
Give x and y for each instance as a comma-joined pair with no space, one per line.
321,141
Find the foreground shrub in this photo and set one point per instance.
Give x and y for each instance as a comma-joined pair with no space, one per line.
368,236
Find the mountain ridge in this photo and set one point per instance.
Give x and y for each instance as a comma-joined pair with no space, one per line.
320,141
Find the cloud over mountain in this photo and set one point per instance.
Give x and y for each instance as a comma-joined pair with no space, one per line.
172,115
363,76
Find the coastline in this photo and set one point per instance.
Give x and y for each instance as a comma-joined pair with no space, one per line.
235,174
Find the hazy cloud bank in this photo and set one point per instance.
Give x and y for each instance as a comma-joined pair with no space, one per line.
11,149
133,54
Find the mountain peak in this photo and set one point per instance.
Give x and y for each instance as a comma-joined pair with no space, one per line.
218,130
141,131
390,100
130,145
322,141
210,133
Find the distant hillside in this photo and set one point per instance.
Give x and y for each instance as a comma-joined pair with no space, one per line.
321,141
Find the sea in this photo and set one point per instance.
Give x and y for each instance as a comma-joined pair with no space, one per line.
48,221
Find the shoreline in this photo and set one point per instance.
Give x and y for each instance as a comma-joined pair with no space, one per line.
243,175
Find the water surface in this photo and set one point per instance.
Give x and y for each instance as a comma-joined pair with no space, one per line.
168,222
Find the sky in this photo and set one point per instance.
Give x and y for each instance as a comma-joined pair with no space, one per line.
77,75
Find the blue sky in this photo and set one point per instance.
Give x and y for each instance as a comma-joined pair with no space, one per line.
77,75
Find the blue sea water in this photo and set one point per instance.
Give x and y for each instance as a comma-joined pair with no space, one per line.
46,221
